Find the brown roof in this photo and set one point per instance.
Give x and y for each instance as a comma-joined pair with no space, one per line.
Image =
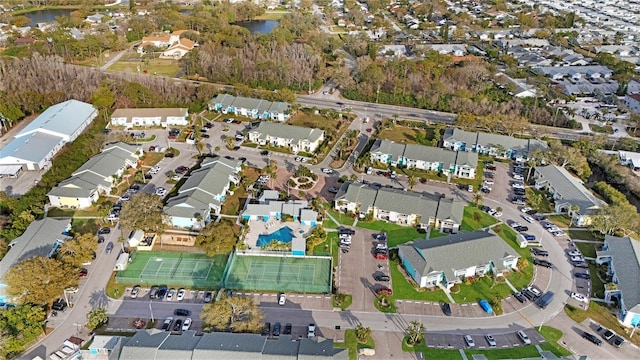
23,40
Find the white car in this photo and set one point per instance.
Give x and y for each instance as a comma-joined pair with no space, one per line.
558,233
528,219
518,177
311,331
492,212
490,340
181,294
469,340
576,258
327,171
488,182
497,214
170,294
282,299
186,324
161,191
525,209
579,297
297,158
553,228
525,339
515,224
575,253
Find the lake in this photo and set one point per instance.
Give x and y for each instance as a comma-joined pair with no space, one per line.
258,26
47,15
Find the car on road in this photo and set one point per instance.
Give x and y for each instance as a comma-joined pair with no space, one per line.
181,312
490,340
135,291
541,262
484,304
181,294
594,339
287,329
521,228
169,155
177,326
187,324
311,331
583,276
276,329
282,299
539,252
104,230
166,325
109,247
327,171
525,339
579,297
469,341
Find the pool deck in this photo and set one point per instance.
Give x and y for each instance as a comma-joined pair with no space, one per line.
259,227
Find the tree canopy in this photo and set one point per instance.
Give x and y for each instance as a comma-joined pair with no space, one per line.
78,250
18,326
238,314
217,238
143,211
39,280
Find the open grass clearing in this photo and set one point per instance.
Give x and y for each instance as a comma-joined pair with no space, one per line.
396,234
272,15
587,249
584,235
562,221
341,218
407,135
544,206
161,67
403,289
483,288
474,219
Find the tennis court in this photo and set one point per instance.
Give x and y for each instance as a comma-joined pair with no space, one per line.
279,273
170,268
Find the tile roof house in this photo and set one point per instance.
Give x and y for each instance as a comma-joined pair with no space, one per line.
296,138
447,260
96,176
174,46
178,49
501,146
622,255
41,238
400,207
567,191
162,117
37,143
460,164
268,207
249,107
160,345
205,190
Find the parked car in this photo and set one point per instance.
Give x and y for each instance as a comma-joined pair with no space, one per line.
208,296
382,277
59,305
384,291
104,230
135,291
579,297
266,329
181,294
539,252
469,341
177,326
520,297
484,304
576,258
541,262
109,247
525,339
327,171
187,324
617,341
166,325
276,329
381,256
334,190
446,308
583,275
311,331
528,219
490,340
84,272
170,294
287,329
592,338
181,312
608,334
282,299
574,253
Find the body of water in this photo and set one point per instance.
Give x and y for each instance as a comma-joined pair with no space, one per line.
47,15
258,26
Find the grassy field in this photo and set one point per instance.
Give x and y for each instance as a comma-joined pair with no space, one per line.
484,288
396,234
340,218
471,221
402,289
603,316
584,235
601,129
406,135
523,276
162,67
57,212
561,220
303,119
587,249
272,15
553,335
597,286
351,343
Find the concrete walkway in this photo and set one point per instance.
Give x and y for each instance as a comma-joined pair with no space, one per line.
448,293
332,218
513,288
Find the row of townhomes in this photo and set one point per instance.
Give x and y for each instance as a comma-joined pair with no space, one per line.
570,195
296,138
156,344
444,261
97,176
251,108
34,147
269,207
501,146
622,255
204,191
400,207
457,163
156,117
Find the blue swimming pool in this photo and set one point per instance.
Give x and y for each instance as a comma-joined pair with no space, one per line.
282,235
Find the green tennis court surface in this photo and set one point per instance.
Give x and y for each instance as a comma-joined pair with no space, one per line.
279,274
173,268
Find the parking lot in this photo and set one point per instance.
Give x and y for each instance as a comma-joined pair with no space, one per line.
294,301
191,296
503,340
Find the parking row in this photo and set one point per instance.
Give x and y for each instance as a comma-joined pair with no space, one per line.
169,295
483,341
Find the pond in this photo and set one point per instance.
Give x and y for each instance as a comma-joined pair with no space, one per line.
47,15
258,26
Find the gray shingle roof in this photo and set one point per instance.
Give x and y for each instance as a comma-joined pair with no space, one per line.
284,131
320,348
213,180
569,187
228,346
64,118
406,203
455,252
388,147
450,209
625,255
37,240
492,140
143,344
282,347
190,204
357,193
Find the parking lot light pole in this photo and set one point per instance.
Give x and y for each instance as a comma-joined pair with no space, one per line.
151,310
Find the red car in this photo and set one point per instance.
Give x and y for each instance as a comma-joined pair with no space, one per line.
369,130
84,272
384,291
381,256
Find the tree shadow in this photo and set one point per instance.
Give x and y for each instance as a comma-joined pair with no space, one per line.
99,299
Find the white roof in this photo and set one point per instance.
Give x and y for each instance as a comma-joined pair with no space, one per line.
61,119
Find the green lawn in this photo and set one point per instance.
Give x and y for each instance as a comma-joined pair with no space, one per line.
407,135
520,352
435,233
483,288
396,234
332,250
474,219
441,354
601,129
587,249
584,235
341,218
553,335
561,220
162,67
523,276
351,343
402,289
597,286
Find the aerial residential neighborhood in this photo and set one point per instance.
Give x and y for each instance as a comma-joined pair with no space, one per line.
319,179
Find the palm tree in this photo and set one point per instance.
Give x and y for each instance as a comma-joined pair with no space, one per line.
415,332
362,333
412,181
477,198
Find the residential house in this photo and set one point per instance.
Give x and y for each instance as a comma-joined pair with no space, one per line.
460,164
400,207
622,256
575,72
269,207
252,108
633,102
630,159
447,260
162,117
41,238
204,191
570,196
393,50
452,49
501,146
96,176
164,40
37,143
178,49
154,344
296,138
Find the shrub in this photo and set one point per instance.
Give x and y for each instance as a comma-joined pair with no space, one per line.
455,288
